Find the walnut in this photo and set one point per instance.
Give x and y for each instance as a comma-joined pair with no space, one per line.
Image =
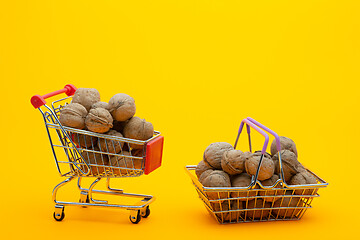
303,178
111,146
257,203
242,180
122,107
123,165
287,207
232,163
96,161
285,143
100,105
119,126
217,178
277,192
200,168
86,97
267,167
139,129
291,165
85,141
73,115
99,120
224,210
204,175
214,152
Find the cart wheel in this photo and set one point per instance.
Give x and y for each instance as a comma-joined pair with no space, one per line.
59,217
135,219
147,212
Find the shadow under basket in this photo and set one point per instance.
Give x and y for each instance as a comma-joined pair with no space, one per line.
239,205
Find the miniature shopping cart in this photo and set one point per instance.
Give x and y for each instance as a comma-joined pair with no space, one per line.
256,202
77,154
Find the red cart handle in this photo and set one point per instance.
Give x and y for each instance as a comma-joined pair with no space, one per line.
38,101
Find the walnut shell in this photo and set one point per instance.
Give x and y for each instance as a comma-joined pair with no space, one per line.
224,213
291,165
139,129
100,105
232,163
99,120
111,146
245,155
86,97
285,143
303,178
217,178
200,168
214,152
119,126
267,167
258,203
73,115
122,165
242,180
85,141
122,107
258,153
271,193
96,162
204,175
138,153
288,202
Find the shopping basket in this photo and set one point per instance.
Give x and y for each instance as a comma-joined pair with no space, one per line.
256,203
80,153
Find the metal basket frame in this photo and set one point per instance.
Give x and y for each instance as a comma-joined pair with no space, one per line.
76,154
247,204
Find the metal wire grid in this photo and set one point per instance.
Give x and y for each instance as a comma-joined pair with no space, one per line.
236,205
86,157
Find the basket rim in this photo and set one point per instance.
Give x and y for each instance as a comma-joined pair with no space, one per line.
189,168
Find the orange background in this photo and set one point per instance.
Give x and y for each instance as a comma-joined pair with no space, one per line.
195,69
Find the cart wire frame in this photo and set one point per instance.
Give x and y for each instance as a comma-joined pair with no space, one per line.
257,203
90,154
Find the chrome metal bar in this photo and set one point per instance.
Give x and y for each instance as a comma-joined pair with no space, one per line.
90,192
112,189
127,207
65,133
60,185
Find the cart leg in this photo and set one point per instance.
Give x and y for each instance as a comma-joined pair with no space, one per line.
112,189
79,184
90,192
84,197
59,212
60,185
145,212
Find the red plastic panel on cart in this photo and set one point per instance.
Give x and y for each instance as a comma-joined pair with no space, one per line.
154,150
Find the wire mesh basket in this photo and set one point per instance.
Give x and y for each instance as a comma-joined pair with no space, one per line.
80,153
91,154
256,202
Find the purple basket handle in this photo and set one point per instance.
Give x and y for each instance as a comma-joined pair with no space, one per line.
250,124
278,146
277,138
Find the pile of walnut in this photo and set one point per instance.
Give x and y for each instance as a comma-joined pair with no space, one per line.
223,166
115,118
